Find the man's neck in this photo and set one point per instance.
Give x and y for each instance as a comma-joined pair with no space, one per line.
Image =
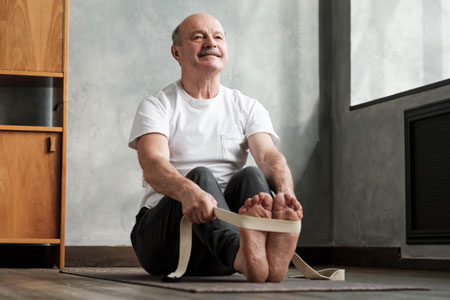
201,87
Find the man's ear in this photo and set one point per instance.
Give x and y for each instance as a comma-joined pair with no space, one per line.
175,53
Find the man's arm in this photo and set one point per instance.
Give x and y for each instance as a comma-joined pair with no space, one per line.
272,163
153,155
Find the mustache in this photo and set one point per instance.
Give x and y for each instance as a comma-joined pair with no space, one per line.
210,51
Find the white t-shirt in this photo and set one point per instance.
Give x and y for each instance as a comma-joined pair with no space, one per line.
211,133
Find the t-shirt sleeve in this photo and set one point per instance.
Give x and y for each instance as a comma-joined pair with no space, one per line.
258,120
151,116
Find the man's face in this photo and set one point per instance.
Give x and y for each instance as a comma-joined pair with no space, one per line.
203,45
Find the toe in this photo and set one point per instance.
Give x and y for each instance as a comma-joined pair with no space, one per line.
293,203
242,210
267,201
279,201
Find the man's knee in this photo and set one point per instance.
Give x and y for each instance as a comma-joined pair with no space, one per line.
252,172
199,171
249,182
201,174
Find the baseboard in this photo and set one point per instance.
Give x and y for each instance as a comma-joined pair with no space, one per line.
375,257
316,255
123,256
101,256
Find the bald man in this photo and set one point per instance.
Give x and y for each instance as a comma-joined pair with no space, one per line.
193,139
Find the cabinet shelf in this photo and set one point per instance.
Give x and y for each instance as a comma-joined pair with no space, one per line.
31,100
29,241
31,73
31,128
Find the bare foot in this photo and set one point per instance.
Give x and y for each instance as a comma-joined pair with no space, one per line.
281,246
251,259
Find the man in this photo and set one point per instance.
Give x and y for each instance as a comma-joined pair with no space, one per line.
192,140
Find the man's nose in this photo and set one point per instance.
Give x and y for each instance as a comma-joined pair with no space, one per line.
210,41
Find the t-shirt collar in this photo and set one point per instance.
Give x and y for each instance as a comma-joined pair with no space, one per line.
195,101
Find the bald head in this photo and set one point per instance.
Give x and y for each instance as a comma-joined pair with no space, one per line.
177,33
199,46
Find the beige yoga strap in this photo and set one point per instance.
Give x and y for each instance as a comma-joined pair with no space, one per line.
253,223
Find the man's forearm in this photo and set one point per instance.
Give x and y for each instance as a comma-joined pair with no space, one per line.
277,173
153,154
166,180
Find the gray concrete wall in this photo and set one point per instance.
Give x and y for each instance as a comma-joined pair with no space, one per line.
119,52
369,159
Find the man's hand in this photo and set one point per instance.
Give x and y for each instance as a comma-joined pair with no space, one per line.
153,152
198,206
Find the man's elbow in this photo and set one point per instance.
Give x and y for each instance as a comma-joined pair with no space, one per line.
148,166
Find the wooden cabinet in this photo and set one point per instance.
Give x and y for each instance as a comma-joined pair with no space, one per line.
31,35
33,123
30,189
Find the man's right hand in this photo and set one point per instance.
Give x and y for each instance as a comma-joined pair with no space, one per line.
198,206
153,153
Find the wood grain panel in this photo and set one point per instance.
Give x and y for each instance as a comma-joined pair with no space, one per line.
31,35
31,73
30,128
29,185
29,241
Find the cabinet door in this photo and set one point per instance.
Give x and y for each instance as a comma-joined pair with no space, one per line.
31,35
30,184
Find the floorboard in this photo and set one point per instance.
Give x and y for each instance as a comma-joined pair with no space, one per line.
50,284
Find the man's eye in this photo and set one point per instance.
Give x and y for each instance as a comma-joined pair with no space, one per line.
219,37
197,37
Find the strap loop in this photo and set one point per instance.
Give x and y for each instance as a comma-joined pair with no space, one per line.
253,223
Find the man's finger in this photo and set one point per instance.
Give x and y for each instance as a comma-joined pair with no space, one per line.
189,218
209,214
196,220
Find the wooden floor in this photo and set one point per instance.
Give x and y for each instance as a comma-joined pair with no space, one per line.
50,284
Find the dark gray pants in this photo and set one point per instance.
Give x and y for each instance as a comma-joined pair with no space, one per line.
155,236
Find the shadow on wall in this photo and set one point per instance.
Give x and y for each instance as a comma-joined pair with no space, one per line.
276,62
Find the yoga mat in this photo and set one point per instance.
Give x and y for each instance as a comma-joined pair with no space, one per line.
235,283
